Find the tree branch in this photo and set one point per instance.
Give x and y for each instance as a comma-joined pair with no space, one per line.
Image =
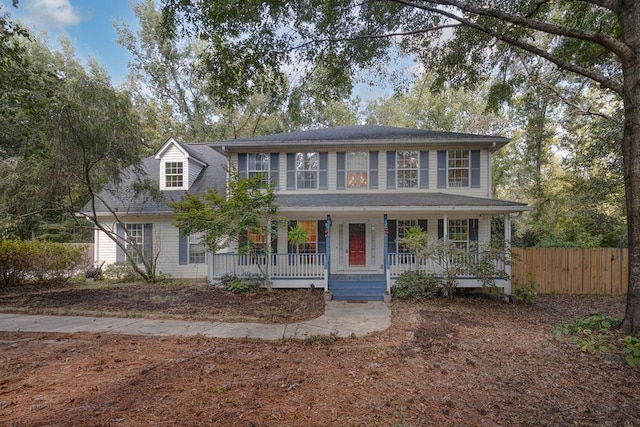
578,69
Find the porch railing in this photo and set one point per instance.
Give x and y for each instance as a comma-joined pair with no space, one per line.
281,265
401,262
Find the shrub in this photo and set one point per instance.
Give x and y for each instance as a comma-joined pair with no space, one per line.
38,262
525,293
416,285
631,351
121,272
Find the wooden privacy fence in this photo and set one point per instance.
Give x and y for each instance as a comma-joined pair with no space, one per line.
575,271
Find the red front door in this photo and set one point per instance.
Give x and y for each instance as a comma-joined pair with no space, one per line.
357,245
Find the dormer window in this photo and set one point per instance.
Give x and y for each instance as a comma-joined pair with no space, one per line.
174,177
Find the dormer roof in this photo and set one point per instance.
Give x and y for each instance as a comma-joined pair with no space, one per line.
187,151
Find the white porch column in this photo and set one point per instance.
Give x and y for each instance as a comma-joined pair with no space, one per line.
445,227
507,248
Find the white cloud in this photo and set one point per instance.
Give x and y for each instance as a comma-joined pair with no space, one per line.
56,14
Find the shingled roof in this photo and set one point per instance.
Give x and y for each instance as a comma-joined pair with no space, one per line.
362,135
121,198
396,201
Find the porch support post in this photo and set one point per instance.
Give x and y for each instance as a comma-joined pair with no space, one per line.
385,257
445,227
507,248
327,266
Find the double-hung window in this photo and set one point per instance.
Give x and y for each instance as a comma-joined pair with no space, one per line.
459,233
458,166
310,246
357,169
403,226
135,240
258,165
407,168
196,251
404,254
174,174
307,165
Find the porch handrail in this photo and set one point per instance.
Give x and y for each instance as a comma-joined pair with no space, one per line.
281,266
402,262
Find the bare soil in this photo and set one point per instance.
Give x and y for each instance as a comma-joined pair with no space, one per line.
470,362
185,301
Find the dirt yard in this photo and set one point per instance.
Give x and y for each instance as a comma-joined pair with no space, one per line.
470,362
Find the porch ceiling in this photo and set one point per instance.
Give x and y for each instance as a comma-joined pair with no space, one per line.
435,202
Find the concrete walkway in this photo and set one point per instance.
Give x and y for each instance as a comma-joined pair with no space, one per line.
341,318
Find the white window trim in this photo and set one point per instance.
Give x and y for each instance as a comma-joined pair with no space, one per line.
265,172
347,170
316,170
193,240
450,169
164,166
416,169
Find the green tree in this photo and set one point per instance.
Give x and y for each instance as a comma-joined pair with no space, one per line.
249,206
597,40
27,92
447,109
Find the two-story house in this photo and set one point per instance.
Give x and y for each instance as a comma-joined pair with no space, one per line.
355,190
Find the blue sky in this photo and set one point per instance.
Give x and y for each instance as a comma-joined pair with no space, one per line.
87,23
89,26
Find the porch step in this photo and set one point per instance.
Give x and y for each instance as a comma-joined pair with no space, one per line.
358,287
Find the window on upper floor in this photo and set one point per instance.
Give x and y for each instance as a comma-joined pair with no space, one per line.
458,168
407,168
174,174
258,165
307,165
357,169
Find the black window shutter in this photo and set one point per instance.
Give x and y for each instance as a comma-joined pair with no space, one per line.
473,229
322,239
373,170
291,171
424,169
120,257
442,169
340,171
391,169
323,173
292,250
274,160
183,248
391,237
475,168
422,223
274,243
242,165
148,242
440,228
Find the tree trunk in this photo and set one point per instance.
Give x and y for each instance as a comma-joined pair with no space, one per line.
631,153
629,15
